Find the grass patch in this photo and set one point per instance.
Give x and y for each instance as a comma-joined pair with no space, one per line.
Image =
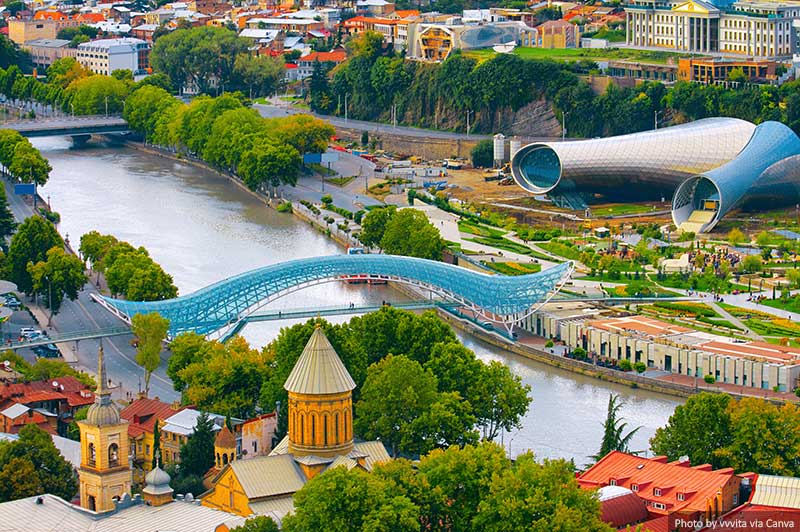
513,268
562,250
340,181
719,323
477,229
507,245
699,283
621,209
321,170
691,309
791,304
638,289
775,327
577,54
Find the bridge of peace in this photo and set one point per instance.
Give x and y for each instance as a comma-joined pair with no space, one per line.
223,308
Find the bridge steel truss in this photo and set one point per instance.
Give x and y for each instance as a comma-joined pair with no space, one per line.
213,310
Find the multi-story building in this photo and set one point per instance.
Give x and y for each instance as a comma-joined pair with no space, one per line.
44,52
746,28
713,69
305,65
178,427
142,416
676,349
22,31
51,404
104,56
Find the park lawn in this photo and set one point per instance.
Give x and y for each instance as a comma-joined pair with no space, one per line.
514,268
620,209
576,54
477,229
676,281
340,181
562,250
746,313
680,308
719,323
791,305
639,289
775,327
777,341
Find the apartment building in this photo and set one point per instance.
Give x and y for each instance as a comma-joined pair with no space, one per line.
746,28
104,56
22,31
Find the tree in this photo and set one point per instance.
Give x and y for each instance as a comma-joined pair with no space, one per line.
483,154
260,523
156,445
7,222
28,165
144,107
752,263
35,447
342,500
373,225
33,239
409,233
197,454
397,392
95,95
60,275
453,483
49,369
500,400
696,430
73,430
614,437
270,164
186,349
531,496
736,236
258,75
150,330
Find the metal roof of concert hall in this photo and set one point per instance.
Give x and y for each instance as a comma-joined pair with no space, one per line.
226,302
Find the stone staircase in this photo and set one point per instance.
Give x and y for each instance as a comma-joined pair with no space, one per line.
696,221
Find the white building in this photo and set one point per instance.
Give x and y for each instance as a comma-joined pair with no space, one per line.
104,56
746,28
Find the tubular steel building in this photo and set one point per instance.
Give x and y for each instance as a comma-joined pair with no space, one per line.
712,165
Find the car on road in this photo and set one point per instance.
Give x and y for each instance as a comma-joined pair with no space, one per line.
29,333
47,351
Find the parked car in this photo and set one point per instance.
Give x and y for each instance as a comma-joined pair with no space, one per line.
28,332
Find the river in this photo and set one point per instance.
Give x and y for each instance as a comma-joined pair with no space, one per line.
201,229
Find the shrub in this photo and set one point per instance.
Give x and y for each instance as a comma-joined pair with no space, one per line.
326,199
286,206
625,365
550,344
579,353
640,367
710,379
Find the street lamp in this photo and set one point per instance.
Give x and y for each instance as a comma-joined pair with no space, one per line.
347,95
49,300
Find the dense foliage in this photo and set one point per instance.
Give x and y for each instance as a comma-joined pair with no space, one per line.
228,135
60,274
402,232
748,435
30,244
32,465
21,160
46,369
469,488
440,95
433,391
129,271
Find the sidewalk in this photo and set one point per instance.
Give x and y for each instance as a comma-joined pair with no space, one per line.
40,315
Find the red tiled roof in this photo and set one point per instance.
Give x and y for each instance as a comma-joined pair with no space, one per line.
753,518
90,17
334,57
623,510
142,414
50,15
66,388
697,485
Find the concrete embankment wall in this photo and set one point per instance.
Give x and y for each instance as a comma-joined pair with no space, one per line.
431,148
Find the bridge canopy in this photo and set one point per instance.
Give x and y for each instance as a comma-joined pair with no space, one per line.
498,298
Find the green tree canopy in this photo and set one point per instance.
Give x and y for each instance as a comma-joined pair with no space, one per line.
30,244
60,275
409,233
614,436
150,331
94,95
197,454
373,225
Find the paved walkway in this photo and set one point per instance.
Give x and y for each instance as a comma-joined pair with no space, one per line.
734,320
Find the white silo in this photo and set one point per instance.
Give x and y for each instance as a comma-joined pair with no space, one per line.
499,150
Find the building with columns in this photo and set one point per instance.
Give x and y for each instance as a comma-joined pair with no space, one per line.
320,437
745,28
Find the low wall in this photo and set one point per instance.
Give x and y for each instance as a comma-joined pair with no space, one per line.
431,148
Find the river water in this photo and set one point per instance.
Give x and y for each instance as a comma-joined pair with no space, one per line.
201,229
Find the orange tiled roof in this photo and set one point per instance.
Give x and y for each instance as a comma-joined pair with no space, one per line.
405,13
65,388
91,18
322,57
50,15
696,484
142,414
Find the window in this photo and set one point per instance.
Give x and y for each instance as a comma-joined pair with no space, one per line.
735,499
612,482
659,506
147,450
657,492
255,447
92,455
681,497
634,487
113,455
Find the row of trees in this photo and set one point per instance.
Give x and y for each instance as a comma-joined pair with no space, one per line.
748,435
469,488
417,388
215,60
21,160
441,95
229,135
128,271
405,232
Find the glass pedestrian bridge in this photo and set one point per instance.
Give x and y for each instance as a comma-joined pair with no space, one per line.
217,308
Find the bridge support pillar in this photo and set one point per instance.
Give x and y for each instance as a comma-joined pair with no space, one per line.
78,141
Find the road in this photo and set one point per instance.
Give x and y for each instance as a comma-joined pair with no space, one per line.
274,111
83,314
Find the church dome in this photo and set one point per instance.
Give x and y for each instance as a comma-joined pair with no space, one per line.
103,414
157,482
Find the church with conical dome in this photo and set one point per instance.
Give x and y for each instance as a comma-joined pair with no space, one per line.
105,472
320,437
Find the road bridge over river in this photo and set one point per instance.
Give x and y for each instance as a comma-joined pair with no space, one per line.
78,126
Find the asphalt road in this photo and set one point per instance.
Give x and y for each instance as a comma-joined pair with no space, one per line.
83,314
274,111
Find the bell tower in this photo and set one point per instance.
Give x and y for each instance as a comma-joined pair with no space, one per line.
320,401
104,473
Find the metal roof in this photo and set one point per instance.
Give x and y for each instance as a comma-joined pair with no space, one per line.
25,515
268,476
15,410
276,508
771,490
319,370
